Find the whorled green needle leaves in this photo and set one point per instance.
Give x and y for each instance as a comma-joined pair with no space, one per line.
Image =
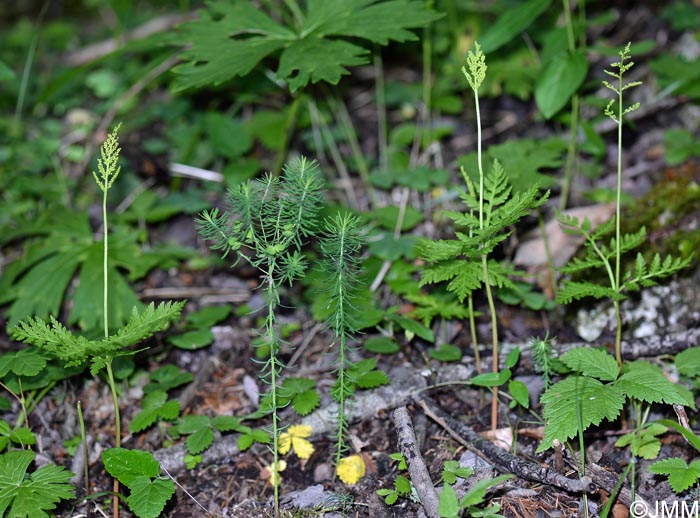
72,349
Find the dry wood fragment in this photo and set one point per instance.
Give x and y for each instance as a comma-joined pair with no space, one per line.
420,477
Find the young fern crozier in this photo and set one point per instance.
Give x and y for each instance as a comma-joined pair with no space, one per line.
340,248
264,225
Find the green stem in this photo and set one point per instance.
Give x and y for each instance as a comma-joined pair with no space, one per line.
571,150
472,330
618,203
494,338
289,126
340,446
272,343
83,443
105,240
427,79
381,111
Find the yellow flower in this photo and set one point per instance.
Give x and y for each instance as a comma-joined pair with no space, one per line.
296,438
273,475
351,469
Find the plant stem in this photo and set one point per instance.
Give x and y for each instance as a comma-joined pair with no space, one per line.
571,150
272,297
289,126
618,203
472,330
83,444
381,111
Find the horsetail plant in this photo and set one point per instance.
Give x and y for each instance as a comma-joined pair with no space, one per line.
268,217
340,248
75,350
492,209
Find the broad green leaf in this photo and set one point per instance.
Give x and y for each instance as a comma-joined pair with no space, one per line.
563,400
154,406
448,506
148,497
477,493
520,394
451,470
31,496
302,393
687,362
446,353
231,38
381,345
192,340
559,80
27,362
209,316
166,378
512,358
388,216
510,24
127,465
373,379
228,137
414,327
199,440
402,484
491,379
226,423
592,362
646,382
681,476
22,436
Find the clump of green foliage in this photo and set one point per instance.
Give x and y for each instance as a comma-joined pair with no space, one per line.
465,263
76,350
264,225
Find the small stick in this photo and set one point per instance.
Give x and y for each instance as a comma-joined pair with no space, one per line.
502,460
416,465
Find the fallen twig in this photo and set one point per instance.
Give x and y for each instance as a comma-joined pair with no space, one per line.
501,459
414,460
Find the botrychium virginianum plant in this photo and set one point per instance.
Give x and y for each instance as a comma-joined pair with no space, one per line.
599,384
264,225
492,211
76,350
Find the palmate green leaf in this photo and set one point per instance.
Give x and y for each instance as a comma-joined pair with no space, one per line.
563,400
231,38
27,362
198,427
301,392
32,496
148,497
646,382
681,476
592,362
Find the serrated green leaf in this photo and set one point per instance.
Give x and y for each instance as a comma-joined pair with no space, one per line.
32,496
199,440
23,436
448,506
148,497
233,37
559,80
687,362
127,465
372,379
402,484
681,476
27,362
563,400
166,378
592,362
511,24
646,382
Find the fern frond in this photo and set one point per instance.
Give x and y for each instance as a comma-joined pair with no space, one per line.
571,291
496,190
468,278
647,275
578,264
441,250
54,339
500,273
629,241
440,271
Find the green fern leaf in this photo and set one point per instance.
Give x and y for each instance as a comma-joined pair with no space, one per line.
563,399
231,38
578,290
441,250
646,382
